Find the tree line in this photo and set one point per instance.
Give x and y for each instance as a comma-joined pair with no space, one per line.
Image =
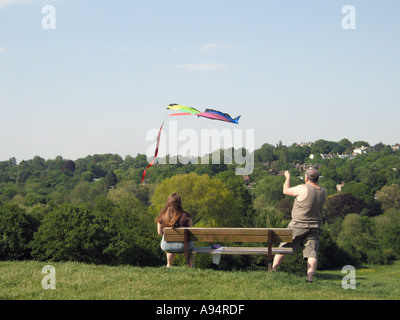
95,210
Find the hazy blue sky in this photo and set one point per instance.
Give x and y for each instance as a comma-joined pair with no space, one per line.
102,79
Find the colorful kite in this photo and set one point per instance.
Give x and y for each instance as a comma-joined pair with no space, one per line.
209,113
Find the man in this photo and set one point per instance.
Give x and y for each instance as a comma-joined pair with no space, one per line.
306,219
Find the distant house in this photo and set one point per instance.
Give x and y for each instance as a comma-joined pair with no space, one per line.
360,150
396,147
346,156
304,144
339,187
330,156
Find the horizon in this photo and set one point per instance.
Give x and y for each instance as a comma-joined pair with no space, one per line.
180,156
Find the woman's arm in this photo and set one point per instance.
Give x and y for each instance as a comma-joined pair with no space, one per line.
159,229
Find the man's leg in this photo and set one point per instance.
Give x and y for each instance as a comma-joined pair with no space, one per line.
311,252
295,244
311,267
277,261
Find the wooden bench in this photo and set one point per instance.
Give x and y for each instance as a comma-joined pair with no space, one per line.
268,236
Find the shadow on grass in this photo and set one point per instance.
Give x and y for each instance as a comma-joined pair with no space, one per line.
329,276
334,276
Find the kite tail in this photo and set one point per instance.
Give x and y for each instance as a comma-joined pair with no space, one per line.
156,153
158,143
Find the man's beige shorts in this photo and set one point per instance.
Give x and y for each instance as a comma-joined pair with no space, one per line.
307,238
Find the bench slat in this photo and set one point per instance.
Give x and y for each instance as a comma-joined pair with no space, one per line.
226,238
236,231
241,250
228,234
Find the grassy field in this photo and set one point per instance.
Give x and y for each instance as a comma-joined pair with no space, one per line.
77,281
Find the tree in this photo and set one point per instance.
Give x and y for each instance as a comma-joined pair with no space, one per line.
285,206
391,240
265,153
34,198
24,172
345,146
389,232
38,163
271,189
132,233
389,197
339,205
329,185
87,176
359,144
111,179
360,190
357,238
297,153
345,172
208,200
330,255
269,217
86,192
322,146
283,157
242,195
69,165
129,188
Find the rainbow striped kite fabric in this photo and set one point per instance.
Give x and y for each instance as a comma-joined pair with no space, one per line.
209,113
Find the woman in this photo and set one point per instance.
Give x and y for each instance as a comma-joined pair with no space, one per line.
173,216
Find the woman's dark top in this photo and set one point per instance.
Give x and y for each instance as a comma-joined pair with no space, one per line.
183,221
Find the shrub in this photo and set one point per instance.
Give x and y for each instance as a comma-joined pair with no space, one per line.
70,233
330,255
16,232
133,237
389,232
358,239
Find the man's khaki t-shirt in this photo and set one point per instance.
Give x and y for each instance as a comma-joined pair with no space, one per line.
308,212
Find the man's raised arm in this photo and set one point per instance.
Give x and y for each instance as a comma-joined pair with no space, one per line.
287,190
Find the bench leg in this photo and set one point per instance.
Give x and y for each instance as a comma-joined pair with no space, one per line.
188,255
270,250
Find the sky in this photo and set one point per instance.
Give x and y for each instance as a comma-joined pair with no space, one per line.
94,77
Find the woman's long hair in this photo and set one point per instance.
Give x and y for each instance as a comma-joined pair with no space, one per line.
172,211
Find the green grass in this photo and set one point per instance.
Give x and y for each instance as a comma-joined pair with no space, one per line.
22,281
